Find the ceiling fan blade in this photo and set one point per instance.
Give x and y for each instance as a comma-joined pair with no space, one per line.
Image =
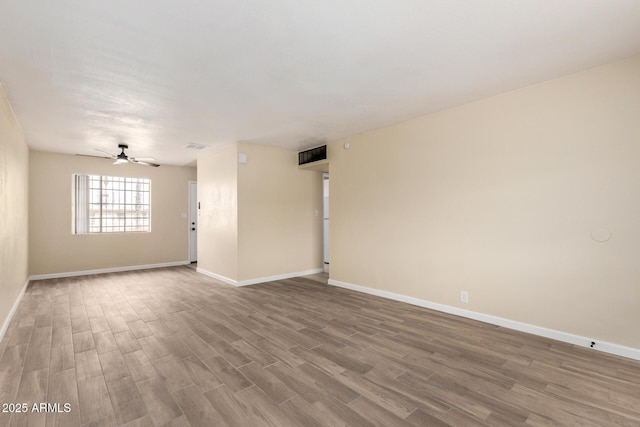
97,157
102,151
144,159
155,165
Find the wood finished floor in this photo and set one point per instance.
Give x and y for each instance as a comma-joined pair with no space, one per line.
172,347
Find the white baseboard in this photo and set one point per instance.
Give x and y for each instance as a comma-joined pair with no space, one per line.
259,279
607,347
106,270
5,325
278,277
217,276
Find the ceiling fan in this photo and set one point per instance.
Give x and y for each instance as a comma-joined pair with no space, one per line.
123,158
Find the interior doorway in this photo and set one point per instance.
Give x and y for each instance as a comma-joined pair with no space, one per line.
325,220
193,221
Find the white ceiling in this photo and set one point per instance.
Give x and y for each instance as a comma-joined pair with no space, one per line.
159,74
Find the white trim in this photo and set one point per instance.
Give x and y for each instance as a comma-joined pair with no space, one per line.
607,347
107,270
5,325
189,219
259,279
278,277
217,276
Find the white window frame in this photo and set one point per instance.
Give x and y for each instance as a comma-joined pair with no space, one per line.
110,204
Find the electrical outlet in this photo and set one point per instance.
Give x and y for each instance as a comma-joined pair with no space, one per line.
464,297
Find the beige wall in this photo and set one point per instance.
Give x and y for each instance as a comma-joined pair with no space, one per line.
257,219
54,249
500,197
279,232
14,185
218,214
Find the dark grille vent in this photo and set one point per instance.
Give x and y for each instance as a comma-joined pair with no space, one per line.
313,155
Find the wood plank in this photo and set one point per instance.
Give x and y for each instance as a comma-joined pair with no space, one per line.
385,397
80,324
420,418
61,336
139,328
175,346
234,411
294,379
200,374
87,365
33,389
83,341
343,358
62,358
117,324
139,365
145,421
105,342
277,391
330,384
317,360
264,410
61,320
127,342
199,347
160,329
172,373
38,357
41,335
94,402
376,414
159,402
126,400
337,409
305,414
153,348
227,373
113,366
284,356
255,355
99,324
197,408
233,356
63,389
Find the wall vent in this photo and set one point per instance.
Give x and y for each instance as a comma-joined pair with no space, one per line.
312,155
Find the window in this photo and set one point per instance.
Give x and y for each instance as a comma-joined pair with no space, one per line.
111,204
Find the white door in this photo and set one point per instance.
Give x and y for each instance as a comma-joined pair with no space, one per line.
193,221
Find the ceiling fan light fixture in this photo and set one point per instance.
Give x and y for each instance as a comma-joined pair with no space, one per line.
123,158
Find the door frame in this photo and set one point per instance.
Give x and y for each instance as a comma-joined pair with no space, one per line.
190,219
326,255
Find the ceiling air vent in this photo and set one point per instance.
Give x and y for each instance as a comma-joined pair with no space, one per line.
313,155
193,146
